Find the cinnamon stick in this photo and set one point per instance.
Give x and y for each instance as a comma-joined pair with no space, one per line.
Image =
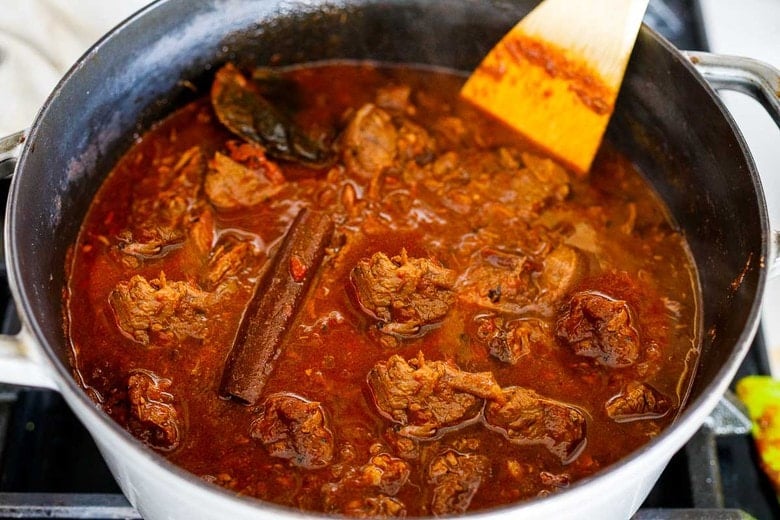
278,294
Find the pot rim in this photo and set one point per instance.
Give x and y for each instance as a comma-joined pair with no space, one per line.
673,436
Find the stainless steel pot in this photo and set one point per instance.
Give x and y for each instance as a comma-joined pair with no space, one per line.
668,120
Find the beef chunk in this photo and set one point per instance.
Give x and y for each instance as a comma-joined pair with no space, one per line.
383,472
425,397
451,132
178,185
149,243
499,280
510,340
369,142
294,428
229,258
160,310
152,406
200,234
245,178
539,183
375,141
404,447
395,98
563,268
597,326
159,223
403,293
525,417
638,401
456,477
414,143
368,490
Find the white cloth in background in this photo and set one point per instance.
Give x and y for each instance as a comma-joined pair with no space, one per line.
39,41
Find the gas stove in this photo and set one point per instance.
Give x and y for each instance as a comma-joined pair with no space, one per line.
50,467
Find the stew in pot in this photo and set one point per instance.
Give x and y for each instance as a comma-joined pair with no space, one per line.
338,288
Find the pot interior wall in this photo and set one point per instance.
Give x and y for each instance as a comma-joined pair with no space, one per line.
665,120
688,147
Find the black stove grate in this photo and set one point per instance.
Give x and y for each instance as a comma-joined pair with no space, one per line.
50,467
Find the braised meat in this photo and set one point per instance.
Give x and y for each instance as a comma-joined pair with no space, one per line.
152,406
291,427
499,280
351,294
228,259
510,340
638,401
244,178
369,490
414,143
456,478
369,142
596,326
540,182
425,397
395,98
563,268
525,417
159,310
403,293
161,223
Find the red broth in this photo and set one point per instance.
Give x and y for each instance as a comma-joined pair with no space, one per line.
484,328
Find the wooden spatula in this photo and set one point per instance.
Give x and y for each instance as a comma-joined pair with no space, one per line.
555,76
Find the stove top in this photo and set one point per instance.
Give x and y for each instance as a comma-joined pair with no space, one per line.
50,467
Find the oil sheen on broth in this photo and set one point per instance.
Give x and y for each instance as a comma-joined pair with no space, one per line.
481,326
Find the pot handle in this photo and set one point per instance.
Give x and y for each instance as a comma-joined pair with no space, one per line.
20,360
10,148
752,77
758,80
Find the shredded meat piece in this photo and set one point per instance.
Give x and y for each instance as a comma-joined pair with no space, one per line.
160,309
414,143
245,178
253,157
149,243
403,293
294,428
159,223
508,341
369,490
383,471
533,187
395,98
179,187
152,406
597,326
540,182
227,260
201,233
563,268
456,477
451,131
638,401
404,447
425,397
499,280
525,417
369,142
